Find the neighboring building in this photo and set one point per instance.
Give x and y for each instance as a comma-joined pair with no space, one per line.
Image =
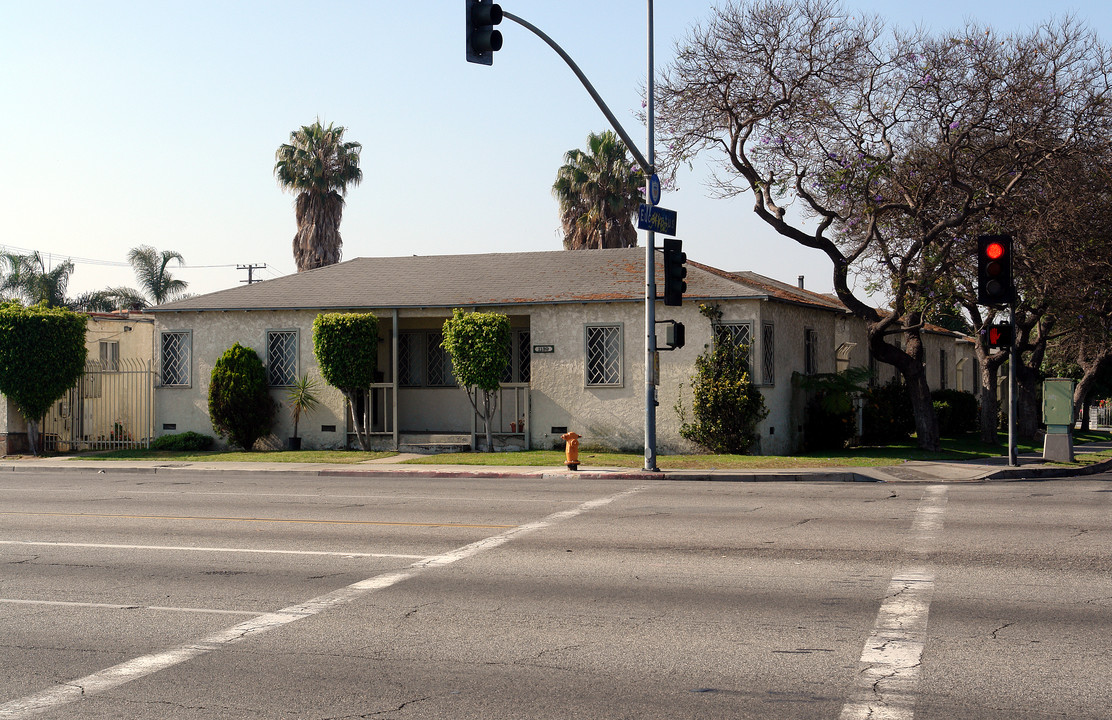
577,358
112,405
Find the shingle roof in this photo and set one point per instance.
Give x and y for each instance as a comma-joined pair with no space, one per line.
471,280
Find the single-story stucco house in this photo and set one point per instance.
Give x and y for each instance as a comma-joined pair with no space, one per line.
577,357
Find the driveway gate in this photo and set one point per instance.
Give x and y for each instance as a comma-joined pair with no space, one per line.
110,407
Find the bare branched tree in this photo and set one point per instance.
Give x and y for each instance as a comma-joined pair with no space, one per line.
891,145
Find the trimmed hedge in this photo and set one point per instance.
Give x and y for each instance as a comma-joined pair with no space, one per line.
183,441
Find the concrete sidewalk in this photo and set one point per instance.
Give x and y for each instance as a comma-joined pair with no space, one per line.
1031,467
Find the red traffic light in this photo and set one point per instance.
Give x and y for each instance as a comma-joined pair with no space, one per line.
995,286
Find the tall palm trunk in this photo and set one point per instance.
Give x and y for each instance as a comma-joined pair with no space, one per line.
317,242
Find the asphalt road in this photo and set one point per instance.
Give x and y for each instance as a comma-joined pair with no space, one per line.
257,595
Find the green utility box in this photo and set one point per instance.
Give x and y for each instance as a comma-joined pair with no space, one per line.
1057,413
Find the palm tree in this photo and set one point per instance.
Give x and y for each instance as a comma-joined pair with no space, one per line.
599,192
318,165
28,277
150,270
108,300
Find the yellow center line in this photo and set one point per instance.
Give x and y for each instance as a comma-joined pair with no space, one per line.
255,519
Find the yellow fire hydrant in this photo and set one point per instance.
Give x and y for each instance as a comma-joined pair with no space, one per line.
571,449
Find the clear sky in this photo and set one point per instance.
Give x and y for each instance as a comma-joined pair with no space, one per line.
126,123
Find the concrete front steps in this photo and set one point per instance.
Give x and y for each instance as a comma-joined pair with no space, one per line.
433,443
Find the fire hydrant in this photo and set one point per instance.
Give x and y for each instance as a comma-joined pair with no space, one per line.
571,449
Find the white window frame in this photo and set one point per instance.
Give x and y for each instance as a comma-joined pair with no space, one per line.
271,370
733,330
109,355
619,329
187,369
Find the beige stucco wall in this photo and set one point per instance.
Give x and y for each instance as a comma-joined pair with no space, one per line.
134,333
611,417
178,409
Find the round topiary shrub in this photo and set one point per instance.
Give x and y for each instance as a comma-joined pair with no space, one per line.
240,405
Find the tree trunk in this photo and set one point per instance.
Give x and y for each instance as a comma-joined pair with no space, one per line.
357,423
1028,408
486,420
33,436
909,363
990,406
926,422
1091,368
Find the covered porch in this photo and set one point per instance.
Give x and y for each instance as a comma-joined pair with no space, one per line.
416,404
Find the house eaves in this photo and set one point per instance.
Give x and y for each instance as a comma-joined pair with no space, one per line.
481,280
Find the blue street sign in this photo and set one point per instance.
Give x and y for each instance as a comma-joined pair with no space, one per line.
654,189
656,219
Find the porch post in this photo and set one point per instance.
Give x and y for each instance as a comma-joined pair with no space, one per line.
394,374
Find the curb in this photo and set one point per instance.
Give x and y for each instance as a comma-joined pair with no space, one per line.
874,475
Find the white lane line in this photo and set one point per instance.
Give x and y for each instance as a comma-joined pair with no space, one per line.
312,496
888,673
212,549
113,606
127,671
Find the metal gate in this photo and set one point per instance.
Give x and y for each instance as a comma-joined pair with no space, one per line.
110,407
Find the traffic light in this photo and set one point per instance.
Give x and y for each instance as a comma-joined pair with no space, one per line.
994,270
1000,335
674,272
482,39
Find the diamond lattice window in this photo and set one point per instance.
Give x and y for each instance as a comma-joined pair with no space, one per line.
739,334
810,352
517,370
438,362
524,355
409,357
768,346
604,355
175,358
281,357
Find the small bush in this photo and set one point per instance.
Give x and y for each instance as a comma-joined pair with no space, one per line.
726,406
827,428
240,405
958,412
887,415
183,441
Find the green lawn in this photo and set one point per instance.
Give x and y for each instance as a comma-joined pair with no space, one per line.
966,448
345,457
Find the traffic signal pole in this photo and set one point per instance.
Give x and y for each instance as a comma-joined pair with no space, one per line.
1013,394
647,165
650,279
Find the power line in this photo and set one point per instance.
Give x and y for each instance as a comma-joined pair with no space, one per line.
52,257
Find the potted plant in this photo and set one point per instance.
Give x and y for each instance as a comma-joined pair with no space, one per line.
302,397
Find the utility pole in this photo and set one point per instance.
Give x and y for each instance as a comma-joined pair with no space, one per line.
647,165
250,272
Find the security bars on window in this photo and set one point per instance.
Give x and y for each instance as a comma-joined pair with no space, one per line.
175,358
281,357
768,345
739,334
604,355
